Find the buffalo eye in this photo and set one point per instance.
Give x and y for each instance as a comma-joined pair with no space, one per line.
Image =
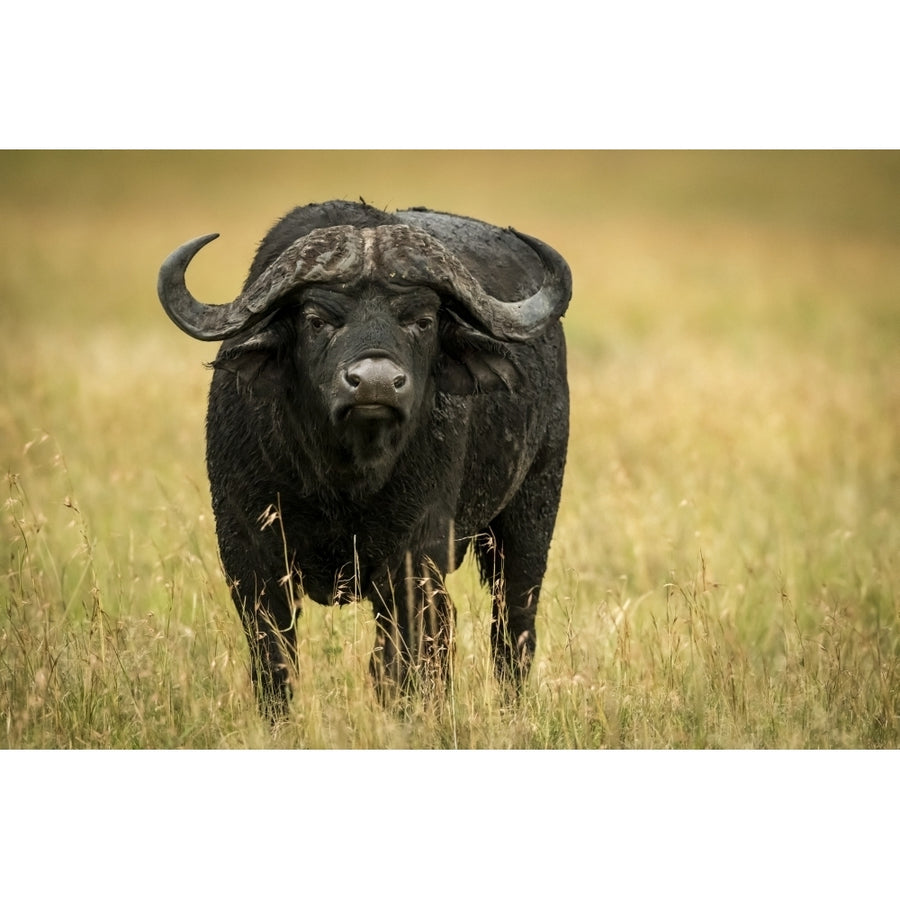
316,323
423,323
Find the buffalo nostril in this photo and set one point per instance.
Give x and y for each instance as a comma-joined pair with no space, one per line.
352,379
399,381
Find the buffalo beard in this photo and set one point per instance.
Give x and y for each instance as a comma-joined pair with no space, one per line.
372,441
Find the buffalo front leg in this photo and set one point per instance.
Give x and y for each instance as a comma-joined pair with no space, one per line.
513,558
415,636
269,626
514,598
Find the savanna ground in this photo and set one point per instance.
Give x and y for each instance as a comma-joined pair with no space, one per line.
726,565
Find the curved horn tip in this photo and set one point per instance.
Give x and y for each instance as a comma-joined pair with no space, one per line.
197,243
176,299
559,266
177,261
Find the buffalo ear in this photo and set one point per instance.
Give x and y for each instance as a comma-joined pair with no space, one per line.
472,362
253,361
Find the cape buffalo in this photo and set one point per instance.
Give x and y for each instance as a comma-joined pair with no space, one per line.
390,390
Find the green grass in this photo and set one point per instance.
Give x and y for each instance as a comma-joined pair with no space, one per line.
725,567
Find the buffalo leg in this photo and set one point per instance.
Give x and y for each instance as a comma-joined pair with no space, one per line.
415,636
269,625
513,558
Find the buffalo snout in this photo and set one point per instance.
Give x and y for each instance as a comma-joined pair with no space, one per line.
375,381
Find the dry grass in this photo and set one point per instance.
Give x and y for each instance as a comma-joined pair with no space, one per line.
725,569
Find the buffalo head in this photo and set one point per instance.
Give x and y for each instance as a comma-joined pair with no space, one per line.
366,323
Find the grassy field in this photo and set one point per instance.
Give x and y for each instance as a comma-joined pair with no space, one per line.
726,567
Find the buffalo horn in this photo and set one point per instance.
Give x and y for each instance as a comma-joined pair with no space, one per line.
344,254
325,255
420,258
